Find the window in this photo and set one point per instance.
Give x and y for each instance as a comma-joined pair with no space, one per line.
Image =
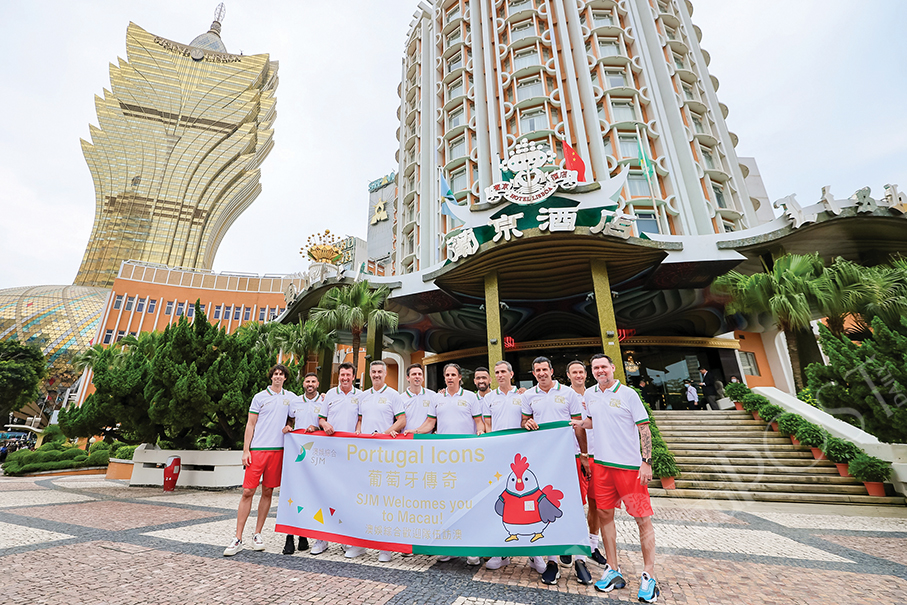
190,311
525,59
671,33
647,221
629,148
697,123
680,61
453,13
130,303
528,89
615,79
515,6
236,311
718,190
664,6
454,38
217,311
455,89
120,335
608,149
455,62
707,158
748,363
624,112
729,226
118,302
152,303
108,336
132,334
180,309
201,308
608,47
456,118
261,313
602,19
523,30
169,308
531,121
638,185
457,149
140,306
247,314
688,93
458,180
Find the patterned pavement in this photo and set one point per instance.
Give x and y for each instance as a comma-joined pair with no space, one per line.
78,539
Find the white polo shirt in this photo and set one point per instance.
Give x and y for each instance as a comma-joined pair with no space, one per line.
590,447
559,403
379,409
341,409
616,413
272,410
504,409
305,411
456,413
418,406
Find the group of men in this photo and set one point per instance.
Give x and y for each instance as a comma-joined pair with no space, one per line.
612,440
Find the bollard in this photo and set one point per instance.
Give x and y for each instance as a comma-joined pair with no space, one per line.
171,473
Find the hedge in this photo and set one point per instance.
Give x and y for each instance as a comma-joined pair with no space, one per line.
53,460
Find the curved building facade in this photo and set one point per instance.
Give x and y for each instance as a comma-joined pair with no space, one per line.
176,155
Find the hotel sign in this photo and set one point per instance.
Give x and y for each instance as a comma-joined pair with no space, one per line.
530,184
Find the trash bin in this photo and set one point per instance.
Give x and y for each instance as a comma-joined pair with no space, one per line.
171,473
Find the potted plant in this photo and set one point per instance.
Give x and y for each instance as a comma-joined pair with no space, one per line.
770,413
841,453
814,438
736,391
752,402
788,424
664,466
872,471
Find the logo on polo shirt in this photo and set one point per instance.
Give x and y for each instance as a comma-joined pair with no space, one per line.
560,399
317,410
382,400
425,403
354,400
516,401
614,403
462,403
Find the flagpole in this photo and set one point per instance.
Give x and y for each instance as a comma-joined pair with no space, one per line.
645,168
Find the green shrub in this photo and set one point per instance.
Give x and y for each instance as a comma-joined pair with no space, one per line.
811,435
770,412
840,451
51,459
808,397
869,468
53,434
53,445
124,452
98,445
98,458
663,463
752,402
789,423
736,390
74,454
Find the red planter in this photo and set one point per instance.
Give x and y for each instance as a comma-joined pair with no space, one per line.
875,488
756,416
739,406
817,454
775,426
667,482
794,440
842,469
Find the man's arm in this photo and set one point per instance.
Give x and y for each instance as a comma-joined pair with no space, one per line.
398,425
359,425
325,426
580,436
585,423
529,423
427,427
480,424
247,439
645,447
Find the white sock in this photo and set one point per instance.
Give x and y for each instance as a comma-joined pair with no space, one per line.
552,559
593,541
580,557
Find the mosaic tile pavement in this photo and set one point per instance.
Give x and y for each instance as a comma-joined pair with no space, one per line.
64,539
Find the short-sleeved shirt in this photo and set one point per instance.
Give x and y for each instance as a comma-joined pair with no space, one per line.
559,403
418,407
272,410
590,433
456,413
504,409
616,413
341,410
379,409
305,411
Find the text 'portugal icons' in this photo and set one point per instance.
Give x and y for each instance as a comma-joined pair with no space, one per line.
302,451
524,507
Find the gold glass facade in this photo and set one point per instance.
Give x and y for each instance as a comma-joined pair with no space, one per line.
176,155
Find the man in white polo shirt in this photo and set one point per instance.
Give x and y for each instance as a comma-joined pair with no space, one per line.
550,401
262,455
380,411
340,412
622,470
417,401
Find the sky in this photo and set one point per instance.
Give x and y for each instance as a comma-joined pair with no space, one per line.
814,88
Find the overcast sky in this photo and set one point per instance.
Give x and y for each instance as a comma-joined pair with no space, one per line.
814,87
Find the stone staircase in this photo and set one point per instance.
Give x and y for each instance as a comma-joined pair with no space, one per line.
727,455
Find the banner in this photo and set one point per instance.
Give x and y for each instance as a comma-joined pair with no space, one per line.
501,494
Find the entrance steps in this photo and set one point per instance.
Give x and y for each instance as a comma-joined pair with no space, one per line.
727,455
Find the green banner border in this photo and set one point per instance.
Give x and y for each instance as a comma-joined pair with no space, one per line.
545,425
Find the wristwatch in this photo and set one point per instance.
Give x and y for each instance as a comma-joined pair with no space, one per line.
647,461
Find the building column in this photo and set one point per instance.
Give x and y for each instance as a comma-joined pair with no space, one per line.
374,348
325,369
607,324
493,324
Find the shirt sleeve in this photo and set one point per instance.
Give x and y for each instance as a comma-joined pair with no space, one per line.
526,404
397,405
575,404
640,415
255,408
324,408
478,407
486,405
433,405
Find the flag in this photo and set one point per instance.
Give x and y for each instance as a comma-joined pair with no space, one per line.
645,162
446,193
572,161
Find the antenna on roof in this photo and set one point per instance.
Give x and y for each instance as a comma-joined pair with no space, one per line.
220,12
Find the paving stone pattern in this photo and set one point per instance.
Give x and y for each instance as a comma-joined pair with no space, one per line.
72,539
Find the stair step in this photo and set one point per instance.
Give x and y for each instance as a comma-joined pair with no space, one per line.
742,486
749,452
767,477
747,459
727,440
700,414
778,497
743,425
764,469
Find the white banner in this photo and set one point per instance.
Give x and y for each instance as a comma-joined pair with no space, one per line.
501,494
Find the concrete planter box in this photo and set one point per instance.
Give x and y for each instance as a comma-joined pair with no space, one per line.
119,469
211,469
88,470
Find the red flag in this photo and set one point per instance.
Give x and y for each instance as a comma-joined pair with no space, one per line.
572,161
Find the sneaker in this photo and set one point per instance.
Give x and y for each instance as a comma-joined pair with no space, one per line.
385,556
407,555
497,562
354,551
648,589
235,547
303,543
445,559
566,560
319,547
473,560
289,546
582,573
610,580
257,542
537,563
598,557
551,573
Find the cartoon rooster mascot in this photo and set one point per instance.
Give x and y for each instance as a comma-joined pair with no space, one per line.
525,509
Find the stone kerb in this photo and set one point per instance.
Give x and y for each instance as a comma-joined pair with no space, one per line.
209,469
896,453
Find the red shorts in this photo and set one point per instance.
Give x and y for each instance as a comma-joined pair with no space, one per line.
616,485
265,468
583,480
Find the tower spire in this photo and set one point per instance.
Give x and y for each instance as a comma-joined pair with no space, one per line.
219,13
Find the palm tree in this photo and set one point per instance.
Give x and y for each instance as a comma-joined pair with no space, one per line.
789,291
353,308
300,339
883,294
264,336
843,285
87,358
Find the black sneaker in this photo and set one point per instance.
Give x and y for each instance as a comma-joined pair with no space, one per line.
598,557
289,546
566,560
582,574
303,543
551,573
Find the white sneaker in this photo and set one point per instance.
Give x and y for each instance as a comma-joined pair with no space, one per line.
235,547
538,564
473,560
353,552
497,562
385,556
257,542
445,558
319,547
406,555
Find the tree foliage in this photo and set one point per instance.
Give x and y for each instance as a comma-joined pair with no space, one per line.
22,368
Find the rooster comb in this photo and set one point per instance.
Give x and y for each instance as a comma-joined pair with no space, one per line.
519,465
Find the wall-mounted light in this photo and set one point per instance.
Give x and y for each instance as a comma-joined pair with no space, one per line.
493,341
610,333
